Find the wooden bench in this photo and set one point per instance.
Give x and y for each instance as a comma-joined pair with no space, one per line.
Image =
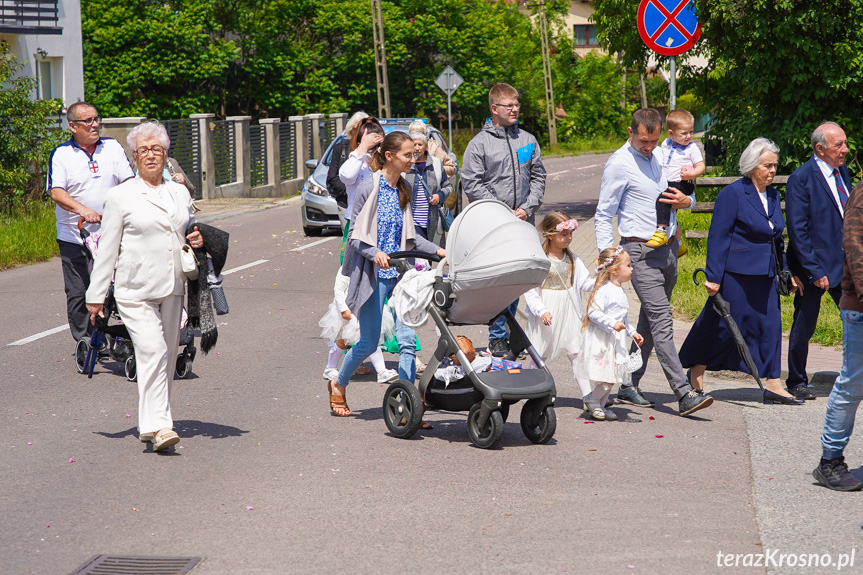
707,207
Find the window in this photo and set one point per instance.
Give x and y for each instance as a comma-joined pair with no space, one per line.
50,78
584,35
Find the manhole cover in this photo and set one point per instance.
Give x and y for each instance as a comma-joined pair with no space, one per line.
122,565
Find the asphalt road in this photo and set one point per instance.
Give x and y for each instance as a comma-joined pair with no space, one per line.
266,481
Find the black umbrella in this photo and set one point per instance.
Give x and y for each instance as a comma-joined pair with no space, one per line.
723,308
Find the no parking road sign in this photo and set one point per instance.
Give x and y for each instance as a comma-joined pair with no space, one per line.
668,27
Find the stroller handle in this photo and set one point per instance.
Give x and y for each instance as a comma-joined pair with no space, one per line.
695,275
82,230
415,254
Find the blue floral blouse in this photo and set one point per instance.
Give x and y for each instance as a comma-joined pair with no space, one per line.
390,223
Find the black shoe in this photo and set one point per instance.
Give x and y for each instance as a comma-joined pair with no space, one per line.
692,402
801,392
632,396
833,474
498,347
770,397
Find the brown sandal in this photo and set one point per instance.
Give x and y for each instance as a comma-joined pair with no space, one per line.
337,402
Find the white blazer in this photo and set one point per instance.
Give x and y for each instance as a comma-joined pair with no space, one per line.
142,241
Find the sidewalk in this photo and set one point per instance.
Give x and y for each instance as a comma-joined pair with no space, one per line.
219,208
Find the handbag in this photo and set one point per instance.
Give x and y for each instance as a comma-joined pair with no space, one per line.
466,346
632,362
446,217
189,262
783,277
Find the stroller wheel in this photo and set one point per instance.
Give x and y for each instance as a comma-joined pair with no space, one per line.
81,355
131,368
184,366
492,431
538,423
403,409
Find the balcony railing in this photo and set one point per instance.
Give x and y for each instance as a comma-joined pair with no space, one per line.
29,17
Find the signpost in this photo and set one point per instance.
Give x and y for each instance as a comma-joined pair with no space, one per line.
449,81
669,28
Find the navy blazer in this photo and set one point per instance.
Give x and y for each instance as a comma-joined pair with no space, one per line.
814,224
740,235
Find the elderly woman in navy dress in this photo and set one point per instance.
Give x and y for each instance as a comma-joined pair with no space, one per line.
746,226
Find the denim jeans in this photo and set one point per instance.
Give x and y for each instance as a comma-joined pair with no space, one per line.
370,333
497,330
848,389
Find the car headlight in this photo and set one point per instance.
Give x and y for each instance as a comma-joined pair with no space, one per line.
313,188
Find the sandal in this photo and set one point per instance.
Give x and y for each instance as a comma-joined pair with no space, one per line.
147,437
165,439
337,401
425,425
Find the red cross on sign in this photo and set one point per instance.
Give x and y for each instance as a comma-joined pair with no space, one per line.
668,27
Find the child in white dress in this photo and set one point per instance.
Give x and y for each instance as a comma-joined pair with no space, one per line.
554,308
342,329
605,343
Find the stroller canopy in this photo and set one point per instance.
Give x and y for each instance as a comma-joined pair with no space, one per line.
494,258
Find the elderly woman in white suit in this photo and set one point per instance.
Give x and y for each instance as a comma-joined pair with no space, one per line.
143,227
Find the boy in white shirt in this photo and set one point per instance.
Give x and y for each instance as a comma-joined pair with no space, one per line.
682,162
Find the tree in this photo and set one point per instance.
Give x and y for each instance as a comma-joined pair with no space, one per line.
595,109
27,133
276,58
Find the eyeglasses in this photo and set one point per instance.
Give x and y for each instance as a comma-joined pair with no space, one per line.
509,107
89,121
155,150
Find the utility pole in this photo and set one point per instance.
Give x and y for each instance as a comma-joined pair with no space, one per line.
380,60
546,72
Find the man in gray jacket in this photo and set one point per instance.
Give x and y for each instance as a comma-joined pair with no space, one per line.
503,162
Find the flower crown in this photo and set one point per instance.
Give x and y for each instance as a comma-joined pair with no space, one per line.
609,261
567,225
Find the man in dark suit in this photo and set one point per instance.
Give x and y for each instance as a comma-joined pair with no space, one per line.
814,207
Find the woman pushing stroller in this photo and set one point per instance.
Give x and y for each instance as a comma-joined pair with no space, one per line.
381,224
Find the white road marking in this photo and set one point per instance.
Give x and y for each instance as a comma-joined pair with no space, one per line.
236,269
314,244
590,166
556,173
40,335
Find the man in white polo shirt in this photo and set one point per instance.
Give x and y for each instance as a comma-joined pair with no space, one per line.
81,171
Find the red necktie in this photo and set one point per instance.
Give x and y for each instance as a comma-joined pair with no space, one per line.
840,187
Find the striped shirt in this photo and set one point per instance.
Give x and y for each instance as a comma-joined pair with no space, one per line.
421,208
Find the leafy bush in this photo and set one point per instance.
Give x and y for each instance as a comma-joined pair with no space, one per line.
595,109
27,134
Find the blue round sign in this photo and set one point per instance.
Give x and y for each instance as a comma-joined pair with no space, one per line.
668,27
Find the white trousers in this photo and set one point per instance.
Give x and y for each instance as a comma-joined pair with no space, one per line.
154,326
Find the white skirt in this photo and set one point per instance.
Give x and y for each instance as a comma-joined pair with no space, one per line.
601,355
564,334
334,327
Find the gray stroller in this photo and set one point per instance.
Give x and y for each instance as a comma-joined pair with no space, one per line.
492,258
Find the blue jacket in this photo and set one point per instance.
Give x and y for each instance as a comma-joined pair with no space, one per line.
740,236
814,225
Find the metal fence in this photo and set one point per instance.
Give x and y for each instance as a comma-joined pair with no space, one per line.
224,152
287,151
327,132
310,144
186,149
258,155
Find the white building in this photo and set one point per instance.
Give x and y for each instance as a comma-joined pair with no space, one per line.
45,35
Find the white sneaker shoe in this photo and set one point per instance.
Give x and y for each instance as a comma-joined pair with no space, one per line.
331,373
388,376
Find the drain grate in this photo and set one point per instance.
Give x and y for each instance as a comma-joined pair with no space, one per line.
123,565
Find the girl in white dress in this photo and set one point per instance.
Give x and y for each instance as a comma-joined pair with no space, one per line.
605,344
342,330
554,308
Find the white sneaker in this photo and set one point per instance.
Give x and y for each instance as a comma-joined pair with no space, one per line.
388,376
331,373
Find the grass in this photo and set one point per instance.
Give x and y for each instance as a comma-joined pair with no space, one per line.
689,299
27,235
599,144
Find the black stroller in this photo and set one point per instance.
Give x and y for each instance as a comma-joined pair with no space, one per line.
493,258
111,339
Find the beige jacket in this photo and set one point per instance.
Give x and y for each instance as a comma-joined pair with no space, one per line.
437,152
142,240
